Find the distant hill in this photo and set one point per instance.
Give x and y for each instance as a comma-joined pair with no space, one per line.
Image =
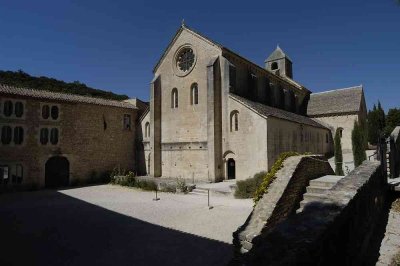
24,80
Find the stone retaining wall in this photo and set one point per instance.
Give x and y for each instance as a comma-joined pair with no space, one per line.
394,153
333,231
282,199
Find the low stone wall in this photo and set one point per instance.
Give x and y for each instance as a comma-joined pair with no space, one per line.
282,199
334,231
394,153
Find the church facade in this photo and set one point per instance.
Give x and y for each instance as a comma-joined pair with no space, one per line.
215,115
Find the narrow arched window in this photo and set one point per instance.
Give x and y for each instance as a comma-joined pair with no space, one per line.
147,130
274,66
19,109
54,112
44,136
54,136
8,108
194,94
340,130
234,125
6,132
18,135
45,111
174,98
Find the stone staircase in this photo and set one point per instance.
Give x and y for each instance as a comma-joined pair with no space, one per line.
317,189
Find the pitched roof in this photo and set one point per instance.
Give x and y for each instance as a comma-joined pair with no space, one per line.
266,111
225,49
277,54
347,100
48,95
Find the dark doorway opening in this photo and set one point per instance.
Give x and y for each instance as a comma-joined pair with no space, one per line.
231,169
57,172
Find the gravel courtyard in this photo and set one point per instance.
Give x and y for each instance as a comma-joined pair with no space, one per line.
112,225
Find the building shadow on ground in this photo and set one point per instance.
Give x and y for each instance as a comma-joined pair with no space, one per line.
50,228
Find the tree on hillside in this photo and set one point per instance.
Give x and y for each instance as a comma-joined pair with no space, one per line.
376,124
381,117
21,79
392,120
338,154
357,139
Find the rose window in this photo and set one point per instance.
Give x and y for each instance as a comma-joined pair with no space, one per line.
185,59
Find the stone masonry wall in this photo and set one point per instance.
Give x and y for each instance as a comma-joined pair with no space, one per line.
394,153
334,231
91,137
282,199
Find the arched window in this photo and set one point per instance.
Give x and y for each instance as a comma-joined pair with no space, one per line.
54,112
19,109
234,125
147,130
194,94
44,136
54,136
340,130
174,98
45,111
18,135
274,66
8,108
6,135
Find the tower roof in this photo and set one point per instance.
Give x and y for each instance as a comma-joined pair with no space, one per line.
277,54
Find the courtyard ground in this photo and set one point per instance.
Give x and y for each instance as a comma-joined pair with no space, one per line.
112,225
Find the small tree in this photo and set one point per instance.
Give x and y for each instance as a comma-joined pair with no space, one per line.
357,139
338,154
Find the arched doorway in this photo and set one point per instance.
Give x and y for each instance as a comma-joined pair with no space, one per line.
231,165
57,172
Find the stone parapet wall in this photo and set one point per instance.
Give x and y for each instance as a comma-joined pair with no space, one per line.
394,153
333,231
281,200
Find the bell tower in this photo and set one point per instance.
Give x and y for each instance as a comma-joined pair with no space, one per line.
279,63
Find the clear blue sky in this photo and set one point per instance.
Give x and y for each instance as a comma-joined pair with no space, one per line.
114,45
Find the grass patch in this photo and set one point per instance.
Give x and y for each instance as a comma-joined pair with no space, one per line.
271,175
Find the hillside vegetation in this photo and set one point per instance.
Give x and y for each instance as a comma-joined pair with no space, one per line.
24,80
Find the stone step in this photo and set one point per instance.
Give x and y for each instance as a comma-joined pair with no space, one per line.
317,190
326,184
312,196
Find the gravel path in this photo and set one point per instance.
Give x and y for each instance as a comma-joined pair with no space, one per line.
112,225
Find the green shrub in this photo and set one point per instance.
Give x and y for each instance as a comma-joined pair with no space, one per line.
146,185
128,181
271,175
181,185
245,189
338,154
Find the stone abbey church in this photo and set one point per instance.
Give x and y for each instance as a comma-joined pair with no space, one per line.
213,115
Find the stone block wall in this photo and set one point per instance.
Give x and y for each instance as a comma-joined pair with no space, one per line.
91,137
334,231
282,199
394,153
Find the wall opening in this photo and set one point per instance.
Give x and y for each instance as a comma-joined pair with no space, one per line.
231,165
57,172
